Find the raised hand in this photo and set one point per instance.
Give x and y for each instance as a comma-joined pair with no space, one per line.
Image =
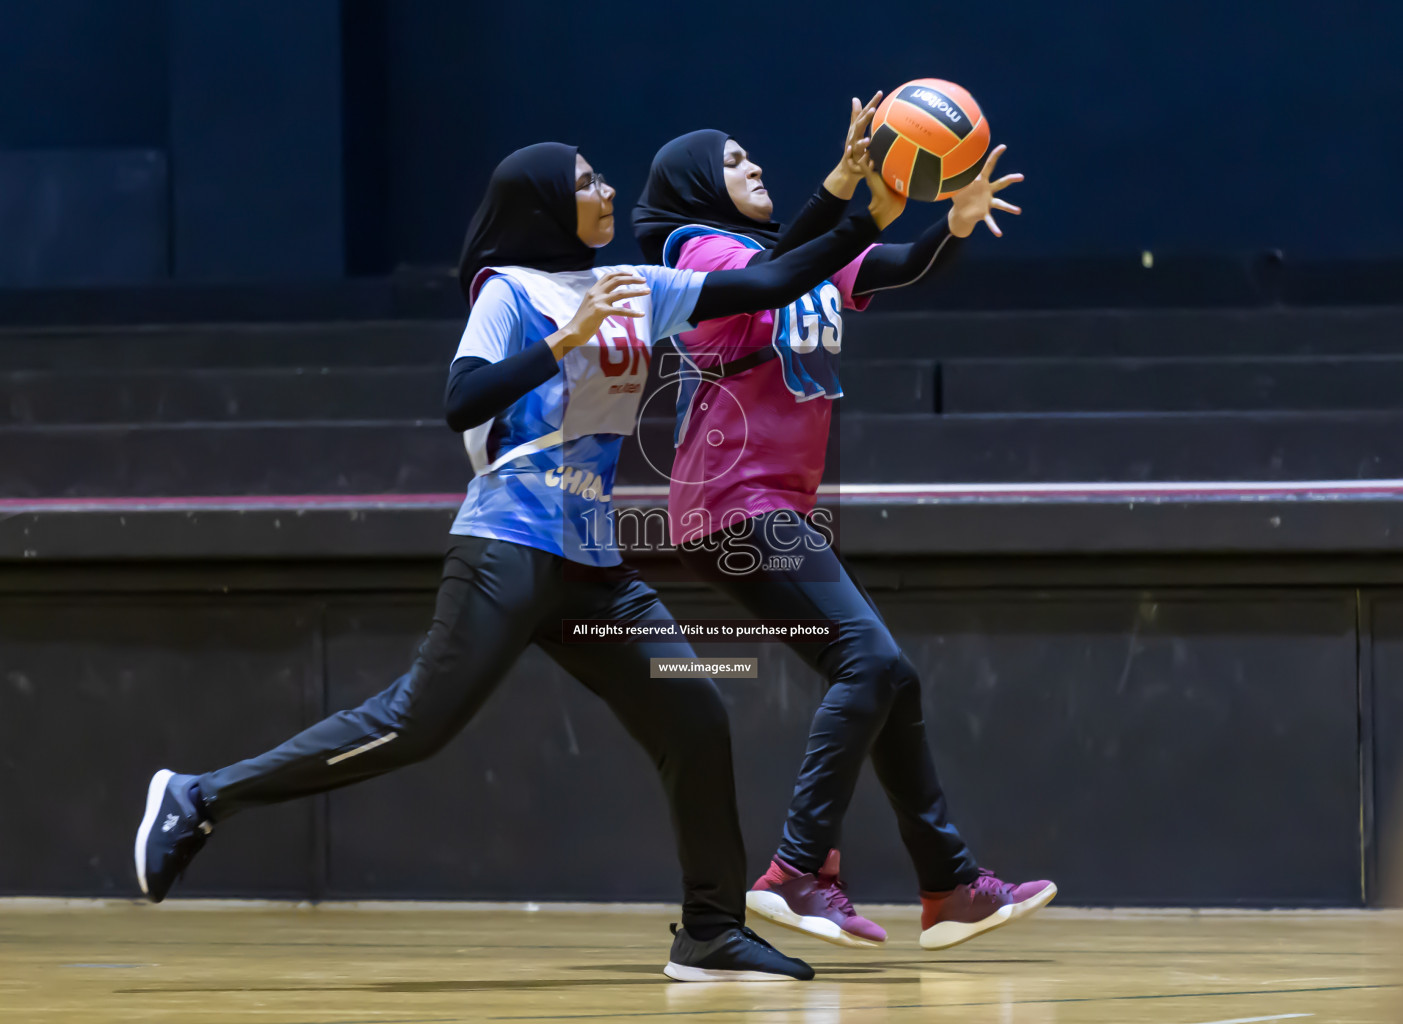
842,180
977,201
599,304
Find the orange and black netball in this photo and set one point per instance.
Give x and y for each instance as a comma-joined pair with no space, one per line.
929,139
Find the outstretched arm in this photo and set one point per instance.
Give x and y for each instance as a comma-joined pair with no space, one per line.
895,266
825,208
780,281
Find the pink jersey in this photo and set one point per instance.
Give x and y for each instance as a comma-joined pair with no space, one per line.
750,447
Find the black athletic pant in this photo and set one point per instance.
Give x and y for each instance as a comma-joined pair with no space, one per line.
872,705
496,598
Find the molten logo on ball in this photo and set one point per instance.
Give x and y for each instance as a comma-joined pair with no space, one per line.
938,103
929,139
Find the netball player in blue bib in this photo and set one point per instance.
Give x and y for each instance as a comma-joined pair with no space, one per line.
546,383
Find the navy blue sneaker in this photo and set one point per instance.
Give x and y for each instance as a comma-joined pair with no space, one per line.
171,833
737,954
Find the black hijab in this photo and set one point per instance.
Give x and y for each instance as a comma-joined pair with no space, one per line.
687,185
527,217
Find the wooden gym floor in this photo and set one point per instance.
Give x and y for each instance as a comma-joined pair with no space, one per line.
209,964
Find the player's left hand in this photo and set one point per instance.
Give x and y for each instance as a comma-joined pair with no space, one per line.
977,201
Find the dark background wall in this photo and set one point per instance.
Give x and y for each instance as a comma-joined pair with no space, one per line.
83,74
1203,126
1142,742
304,141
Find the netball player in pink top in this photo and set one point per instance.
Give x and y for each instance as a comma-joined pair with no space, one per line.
752,431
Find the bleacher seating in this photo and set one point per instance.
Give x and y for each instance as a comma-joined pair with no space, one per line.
1133,396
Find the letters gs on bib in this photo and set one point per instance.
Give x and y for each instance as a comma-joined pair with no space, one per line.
816,319
808,338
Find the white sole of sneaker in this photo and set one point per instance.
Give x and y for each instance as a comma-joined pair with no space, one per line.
1036,902
772,907
681,972
155,793
952,933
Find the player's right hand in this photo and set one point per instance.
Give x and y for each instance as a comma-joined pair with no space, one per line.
607,297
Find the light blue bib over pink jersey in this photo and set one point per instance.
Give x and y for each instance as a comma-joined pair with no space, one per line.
545,466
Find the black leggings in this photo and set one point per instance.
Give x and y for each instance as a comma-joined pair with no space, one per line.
872,705
496,598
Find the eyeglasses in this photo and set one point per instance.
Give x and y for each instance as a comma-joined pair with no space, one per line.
595,181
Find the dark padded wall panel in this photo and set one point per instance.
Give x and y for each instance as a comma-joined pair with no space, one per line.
1149,748
1163,748
542,797
1382,656
96,695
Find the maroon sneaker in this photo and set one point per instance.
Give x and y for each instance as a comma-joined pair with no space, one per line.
949,918
816,905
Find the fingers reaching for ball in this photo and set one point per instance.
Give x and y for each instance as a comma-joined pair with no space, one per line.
977,202
844,178
988,172
861,116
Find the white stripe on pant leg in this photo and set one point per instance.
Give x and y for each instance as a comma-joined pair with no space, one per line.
363,748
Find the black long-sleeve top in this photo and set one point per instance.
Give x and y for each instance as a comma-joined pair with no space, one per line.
886,266
479,390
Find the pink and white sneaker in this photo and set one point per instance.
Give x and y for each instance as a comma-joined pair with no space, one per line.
816,904
949,918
